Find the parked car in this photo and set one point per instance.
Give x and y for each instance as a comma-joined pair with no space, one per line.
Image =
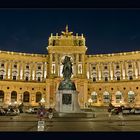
32,110
127,110
137,111
12,112
2,112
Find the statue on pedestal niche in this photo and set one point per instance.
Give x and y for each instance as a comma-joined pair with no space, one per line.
67,68
67,72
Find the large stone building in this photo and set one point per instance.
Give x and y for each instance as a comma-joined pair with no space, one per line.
102,78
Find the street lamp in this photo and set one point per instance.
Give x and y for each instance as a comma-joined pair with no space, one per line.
42,101
90,101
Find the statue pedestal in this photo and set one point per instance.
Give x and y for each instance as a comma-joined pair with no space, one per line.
67,101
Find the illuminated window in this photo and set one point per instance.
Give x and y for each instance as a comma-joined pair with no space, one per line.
106,97
118,96
131,96
94,97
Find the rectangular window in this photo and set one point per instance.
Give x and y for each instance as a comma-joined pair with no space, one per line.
118,78
106,78
38,79
14,77
1,77
94,79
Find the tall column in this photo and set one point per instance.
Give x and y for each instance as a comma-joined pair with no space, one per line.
6,68
11,64
50,65
99,71
34,69
83,65
31,71
138,62
110,71
56,64
77,58
135,70
23,70
122,70
126,69
18,69
101,68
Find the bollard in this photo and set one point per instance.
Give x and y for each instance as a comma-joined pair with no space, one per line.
41,126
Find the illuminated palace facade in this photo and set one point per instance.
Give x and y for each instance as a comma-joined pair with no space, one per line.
104,78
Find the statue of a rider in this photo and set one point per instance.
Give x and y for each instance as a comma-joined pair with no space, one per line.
67,68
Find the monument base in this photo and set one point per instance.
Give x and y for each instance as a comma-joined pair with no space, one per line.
75,115
67,101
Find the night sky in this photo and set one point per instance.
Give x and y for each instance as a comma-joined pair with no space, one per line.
106,30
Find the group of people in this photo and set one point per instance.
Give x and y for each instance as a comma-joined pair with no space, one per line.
42,112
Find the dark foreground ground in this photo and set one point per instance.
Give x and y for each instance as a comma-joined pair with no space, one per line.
102,123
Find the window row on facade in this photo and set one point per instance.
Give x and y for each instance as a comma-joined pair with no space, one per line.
26,97
26,72
107,97
114,71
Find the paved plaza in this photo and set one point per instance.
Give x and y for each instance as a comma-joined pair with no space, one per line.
101,123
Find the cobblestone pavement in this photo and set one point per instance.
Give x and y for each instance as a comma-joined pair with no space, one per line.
101,123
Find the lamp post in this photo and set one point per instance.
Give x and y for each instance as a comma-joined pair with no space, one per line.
90,101
42,101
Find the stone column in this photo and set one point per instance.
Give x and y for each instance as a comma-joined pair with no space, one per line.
6,68
18,70
138,62
50,70
135,70
56,64
77,58
83,66
110,71
126,70
11,64
23,67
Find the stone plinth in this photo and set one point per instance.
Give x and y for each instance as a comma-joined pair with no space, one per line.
67,101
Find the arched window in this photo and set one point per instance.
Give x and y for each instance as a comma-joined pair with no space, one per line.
131,96
94,97
26,96
13,96
38,97
1,96
118,96
106,97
